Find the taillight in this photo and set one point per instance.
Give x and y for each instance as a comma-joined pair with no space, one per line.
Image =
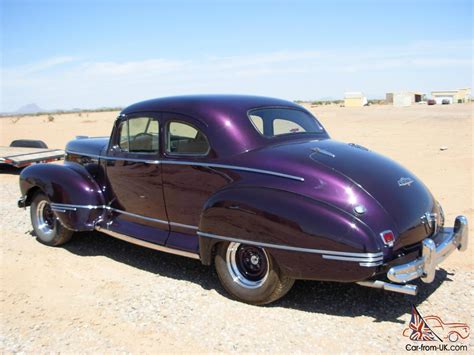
388,238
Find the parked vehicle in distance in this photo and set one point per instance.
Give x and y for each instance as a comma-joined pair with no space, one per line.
431,102
445,102
253,185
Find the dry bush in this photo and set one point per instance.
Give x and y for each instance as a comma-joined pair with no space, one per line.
16,119
50,118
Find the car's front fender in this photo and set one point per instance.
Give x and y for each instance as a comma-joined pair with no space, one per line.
68,184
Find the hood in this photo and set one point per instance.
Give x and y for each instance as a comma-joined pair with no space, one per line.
87,146
347,174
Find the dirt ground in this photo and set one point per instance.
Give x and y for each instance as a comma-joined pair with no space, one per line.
101,294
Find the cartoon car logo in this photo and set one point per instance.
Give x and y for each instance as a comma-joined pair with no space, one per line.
449,331
431,327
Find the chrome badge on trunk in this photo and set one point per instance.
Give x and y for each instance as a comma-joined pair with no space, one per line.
405,181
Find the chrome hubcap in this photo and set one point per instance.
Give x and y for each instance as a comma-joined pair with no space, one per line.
247,264
45,220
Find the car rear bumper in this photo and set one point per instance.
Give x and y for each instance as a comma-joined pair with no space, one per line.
432,255
424,267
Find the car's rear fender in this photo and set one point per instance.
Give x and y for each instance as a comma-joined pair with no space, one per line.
309,239
75,195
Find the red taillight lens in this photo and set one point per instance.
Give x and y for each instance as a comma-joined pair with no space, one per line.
388,238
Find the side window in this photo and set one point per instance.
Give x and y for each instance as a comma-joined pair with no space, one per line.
139,135
185,139
123,135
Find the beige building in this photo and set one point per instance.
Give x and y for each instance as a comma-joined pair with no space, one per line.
404,98
354,99
453,96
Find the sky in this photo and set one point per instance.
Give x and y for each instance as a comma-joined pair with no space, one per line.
90,54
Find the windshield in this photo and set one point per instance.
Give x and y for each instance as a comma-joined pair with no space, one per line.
272,122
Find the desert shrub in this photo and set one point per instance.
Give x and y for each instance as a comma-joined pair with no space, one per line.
50,118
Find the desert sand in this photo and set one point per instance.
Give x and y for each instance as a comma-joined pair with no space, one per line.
99,294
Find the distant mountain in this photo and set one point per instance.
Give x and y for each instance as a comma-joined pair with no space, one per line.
30,108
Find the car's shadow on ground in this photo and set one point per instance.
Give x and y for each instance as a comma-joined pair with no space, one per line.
339,299
351,300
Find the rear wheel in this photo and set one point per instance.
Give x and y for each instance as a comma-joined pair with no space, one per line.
250,274
47,227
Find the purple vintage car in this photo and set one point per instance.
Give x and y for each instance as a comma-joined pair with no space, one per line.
253,185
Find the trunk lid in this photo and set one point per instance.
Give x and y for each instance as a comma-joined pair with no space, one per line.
403,196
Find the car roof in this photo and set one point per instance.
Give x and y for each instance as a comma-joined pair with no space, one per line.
207,106
228,127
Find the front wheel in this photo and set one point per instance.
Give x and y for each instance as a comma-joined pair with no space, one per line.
45,224
250,274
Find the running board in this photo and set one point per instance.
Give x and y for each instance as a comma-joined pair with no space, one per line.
387,286
146,244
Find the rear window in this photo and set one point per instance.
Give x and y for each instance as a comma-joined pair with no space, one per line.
272,122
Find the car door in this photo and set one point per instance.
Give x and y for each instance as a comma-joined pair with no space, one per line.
135,179
187,181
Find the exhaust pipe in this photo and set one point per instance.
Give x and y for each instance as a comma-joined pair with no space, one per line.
387,286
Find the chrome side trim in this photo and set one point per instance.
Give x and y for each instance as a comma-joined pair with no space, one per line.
147,161
192,163
364,259
136,215
72,207
146,244
175,224
233,167
83,154
353,258
62,207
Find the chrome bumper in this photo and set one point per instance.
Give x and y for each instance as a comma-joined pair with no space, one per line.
425,266
432,255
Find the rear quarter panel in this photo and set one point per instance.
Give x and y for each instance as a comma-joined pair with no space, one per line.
279,217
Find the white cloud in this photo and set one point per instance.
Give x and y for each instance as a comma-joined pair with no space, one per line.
66,82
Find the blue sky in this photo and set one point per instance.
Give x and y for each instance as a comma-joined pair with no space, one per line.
66,54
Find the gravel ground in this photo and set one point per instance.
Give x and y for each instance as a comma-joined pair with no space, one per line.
101,294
